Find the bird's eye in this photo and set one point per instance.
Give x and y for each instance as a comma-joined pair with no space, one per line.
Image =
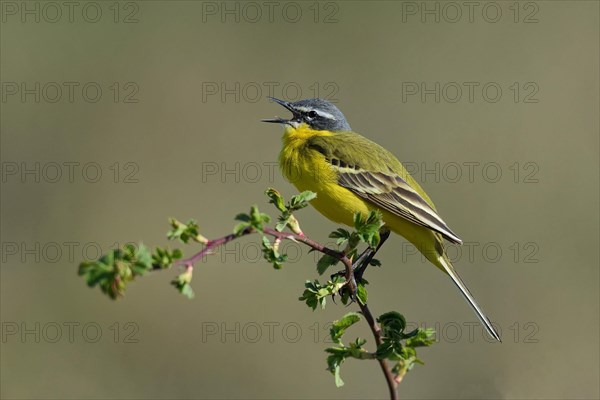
312,114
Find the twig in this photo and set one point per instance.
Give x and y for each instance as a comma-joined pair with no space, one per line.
389,376
212,244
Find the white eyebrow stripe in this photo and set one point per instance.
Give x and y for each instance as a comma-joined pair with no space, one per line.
325,114
321,113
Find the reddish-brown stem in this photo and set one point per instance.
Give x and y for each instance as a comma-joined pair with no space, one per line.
212,244
387,372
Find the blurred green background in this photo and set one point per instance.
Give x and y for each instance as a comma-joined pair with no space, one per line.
166,103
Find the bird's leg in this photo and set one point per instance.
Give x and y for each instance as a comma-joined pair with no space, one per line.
363,261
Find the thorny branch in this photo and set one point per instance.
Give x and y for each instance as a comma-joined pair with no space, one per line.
211,245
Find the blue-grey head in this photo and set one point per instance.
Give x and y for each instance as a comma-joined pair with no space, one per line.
318,114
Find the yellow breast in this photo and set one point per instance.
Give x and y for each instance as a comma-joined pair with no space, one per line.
307,169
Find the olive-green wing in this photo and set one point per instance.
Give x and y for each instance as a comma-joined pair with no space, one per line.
373,173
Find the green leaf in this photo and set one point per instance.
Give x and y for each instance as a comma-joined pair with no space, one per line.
280,226
375,262
367,229
422,338
109,258
242,217
187,291
311,294
398,346
334,362
301,200
239,228
255,219
287,219
266,243
361,293
385,350
143,256
358,221
338,328
392,324
337,355
342,236
176,254
325,262
340,233
258,219
95,272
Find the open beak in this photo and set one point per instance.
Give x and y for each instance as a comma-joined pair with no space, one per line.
279,120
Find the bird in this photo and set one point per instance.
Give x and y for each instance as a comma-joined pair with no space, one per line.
351,174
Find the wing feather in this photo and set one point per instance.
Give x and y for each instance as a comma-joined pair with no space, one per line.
395,195
380,178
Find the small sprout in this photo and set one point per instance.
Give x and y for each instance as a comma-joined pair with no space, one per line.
297,202
185,232
182,283
271,253
113,271
294,225
276,198
255,220
164,258
316,294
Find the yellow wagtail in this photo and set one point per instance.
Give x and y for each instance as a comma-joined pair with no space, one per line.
352,174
